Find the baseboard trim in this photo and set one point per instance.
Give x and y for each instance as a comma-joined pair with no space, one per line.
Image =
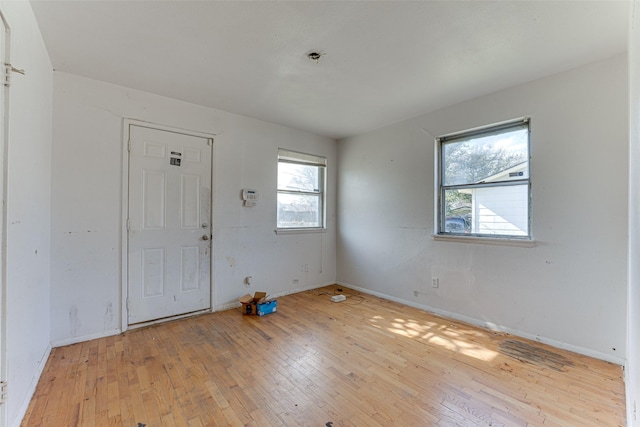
222,307
493,327
451,315
231,305
83,338
32,387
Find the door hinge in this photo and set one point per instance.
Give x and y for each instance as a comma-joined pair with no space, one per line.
129,145
7,75
3,392
127,304
128,224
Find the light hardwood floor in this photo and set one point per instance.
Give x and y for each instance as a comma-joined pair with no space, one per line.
363,362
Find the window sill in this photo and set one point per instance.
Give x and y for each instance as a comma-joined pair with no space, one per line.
499,241
299,230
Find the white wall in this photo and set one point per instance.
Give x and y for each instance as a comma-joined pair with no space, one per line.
568,290
28,210
87,204
633,322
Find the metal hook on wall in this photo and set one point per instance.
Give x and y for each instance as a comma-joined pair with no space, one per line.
14,69
8,69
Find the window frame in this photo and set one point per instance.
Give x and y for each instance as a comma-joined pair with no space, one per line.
440,188
304,159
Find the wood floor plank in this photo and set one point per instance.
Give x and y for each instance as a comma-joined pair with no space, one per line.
364,362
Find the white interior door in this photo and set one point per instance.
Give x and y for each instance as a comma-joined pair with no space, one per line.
169,225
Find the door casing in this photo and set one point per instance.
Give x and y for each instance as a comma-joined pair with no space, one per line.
124,318
5,50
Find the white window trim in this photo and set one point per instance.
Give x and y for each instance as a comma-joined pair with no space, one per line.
500,241
518,241
291,156
300,230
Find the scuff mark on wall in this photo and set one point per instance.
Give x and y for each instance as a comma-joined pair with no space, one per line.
108,317
74,323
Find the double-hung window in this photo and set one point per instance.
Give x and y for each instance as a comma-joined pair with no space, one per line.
483,182
301,194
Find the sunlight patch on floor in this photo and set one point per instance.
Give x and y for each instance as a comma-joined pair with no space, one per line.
435,333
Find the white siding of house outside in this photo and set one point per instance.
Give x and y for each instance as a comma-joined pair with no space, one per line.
500,210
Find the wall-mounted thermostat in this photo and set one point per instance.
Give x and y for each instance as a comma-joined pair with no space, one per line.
249,197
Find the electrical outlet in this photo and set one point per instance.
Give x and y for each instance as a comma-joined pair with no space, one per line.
435,282
415,293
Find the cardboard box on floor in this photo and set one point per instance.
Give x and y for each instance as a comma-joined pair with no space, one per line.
257,304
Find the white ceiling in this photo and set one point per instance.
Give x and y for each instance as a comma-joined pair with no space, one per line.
384,61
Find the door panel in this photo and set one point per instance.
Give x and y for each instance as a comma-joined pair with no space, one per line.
153,202
169,245
153,272
190,206
190,268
